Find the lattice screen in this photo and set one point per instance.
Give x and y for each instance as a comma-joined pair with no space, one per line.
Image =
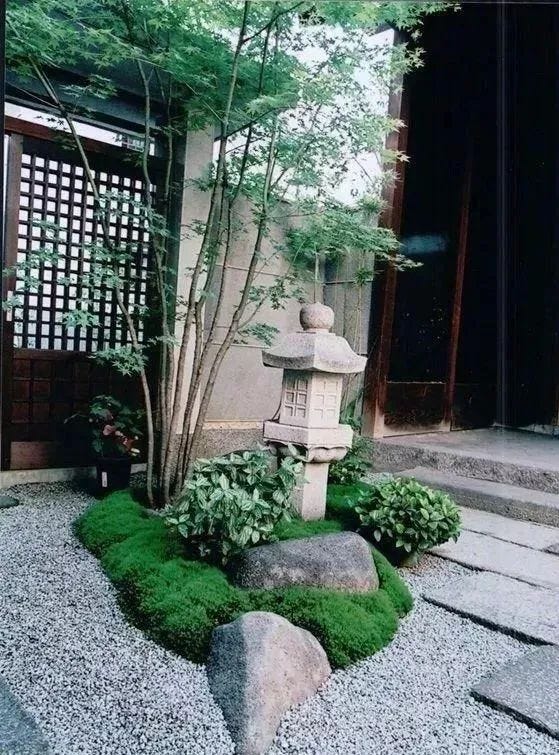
56,191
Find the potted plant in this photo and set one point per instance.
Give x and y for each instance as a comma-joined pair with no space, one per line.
115,430
405,519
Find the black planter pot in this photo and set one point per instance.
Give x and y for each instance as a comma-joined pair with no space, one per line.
113,474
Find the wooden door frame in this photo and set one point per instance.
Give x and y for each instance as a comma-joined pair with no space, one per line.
11,222
378,365
376,372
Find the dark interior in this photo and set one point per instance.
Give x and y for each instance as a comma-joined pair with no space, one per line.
487,94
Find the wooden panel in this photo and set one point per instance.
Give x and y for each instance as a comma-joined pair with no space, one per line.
48,387
473,406
49,374
414,407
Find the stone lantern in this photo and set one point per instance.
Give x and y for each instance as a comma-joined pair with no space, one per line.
314,362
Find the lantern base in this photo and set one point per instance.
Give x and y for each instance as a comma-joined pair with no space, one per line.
309,497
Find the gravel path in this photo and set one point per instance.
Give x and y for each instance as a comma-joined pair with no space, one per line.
96,685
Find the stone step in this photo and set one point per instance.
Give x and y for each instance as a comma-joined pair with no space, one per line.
487,553
496,497
515,458
538,536
526,688
528,612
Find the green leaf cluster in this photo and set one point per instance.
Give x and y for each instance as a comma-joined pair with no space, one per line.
405,515
114,427
355,464
230,503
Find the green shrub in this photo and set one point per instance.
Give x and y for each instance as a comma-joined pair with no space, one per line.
408,516
233,502
355,464
179,601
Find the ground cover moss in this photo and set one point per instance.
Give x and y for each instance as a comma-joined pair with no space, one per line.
179,600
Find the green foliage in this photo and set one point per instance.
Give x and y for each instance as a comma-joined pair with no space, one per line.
355,464
232,502
179,601
408,516
114,427
341,501
297,528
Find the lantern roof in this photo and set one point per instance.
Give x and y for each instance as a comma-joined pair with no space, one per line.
315,349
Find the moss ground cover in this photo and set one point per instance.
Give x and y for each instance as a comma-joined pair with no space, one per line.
179,600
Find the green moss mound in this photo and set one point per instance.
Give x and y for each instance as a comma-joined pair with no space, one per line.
178,601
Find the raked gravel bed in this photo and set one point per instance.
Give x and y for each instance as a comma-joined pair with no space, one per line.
96,685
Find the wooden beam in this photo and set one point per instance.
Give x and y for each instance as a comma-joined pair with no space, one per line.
456,314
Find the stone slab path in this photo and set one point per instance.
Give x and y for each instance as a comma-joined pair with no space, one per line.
19,734
515,607
516,549
491,554
537,536
527,688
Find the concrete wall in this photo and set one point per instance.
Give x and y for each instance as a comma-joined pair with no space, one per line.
352,308
246,392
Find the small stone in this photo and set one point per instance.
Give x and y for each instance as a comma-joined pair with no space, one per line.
8,501
341,561
260,666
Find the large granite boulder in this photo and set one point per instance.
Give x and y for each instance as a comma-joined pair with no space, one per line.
259,666
341,561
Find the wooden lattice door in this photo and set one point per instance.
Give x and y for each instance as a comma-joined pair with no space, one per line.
48,372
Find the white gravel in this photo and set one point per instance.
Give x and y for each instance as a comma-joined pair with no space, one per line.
96,685
93,683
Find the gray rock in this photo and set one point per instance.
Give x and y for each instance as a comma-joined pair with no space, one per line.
341,561
554,548
259,666
527,689
526,611
19,734
8,501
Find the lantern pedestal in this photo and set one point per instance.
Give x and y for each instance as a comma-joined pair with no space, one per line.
314,362
309,497
318,446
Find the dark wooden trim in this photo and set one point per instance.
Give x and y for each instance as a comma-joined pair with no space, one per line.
44,133
376,373
11,221
456,315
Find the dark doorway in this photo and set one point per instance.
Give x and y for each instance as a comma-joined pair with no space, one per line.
475,332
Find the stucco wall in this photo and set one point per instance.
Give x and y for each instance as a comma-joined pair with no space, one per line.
246,392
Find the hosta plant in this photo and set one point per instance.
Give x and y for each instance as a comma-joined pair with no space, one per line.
233,502
408,518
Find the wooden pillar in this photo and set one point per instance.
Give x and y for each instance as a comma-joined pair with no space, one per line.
376,372
456,312
9,258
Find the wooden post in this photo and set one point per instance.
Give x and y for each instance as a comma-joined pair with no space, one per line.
9,258
376,372
455,321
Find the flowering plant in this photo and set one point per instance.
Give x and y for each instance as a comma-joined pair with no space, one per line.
116,429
